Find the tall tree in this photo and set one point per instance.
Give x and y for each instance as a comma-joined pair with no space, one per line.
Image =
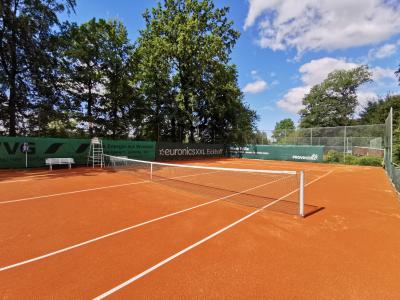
194,40
26,41
261,138
333,102
118,104
83,61
376,112
283,129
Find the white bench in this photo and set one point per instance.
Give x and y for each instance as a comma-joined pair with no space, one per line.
59,161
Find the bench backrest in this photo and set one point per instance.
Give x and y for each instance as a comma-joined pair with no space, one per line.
54,161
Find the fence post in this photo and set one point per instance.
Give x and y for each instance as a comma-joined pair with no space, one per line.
301,202
344,145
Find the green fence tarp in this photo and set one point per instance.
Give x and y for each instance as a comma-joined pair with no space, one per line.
285,152
12,156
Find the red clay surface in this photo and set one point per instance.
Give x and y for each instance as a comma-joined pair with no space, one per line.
348,250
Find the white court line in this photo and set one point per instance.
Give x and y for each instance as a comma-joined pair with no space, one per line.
129,228
283,164
161,263
33,177
13,181
95,189
101,188
74,192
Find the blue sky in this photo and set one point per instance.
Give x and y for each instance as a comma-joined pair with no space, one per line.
287,46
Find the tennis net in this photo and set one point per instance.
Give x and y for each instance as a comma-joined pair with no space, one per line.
278,190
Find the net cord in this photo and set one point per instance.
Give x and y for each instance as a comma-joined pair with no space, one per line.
151,164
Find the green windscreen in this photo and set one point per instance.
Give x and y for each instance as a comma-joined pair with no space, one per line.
285,152
12,155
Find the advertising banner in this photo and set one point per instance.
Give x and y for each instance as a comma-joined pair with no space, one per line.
285,152
16,152
177,151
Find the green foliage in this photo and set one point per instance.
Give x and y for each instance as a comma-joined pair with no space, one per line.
260,138
189,87
82,66
28,54
333,156
370,161
283,129
396,145
333,102
377,112
118,106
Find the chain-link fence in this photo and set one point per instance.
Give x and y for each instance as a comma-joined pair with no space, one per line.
358,140
392,169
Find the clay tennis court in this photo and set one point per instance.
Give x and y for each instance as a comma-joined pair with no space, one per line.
87,233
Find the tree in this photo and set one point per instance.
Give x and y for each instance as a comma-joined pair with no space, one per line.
26,46
192,40
261,138
333,102
117,105
283,129
376,113
83,61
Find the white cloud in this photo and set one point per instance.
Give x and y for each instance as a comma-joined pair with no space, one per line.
255,87
292,100
363,98
379,74
316,71
323,24
275,82
384,51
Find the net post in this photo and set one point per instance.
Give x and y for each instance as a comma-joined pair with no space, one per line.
301,202
151,171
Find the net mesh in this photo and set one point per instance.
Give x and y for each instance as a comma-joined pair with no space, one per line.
273,189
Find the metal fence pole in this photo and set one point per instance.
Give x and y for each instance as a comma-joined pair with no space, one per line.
301,204
344,145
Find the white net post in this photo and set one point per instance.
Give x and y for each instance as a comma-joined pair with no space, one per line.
151,172
301,200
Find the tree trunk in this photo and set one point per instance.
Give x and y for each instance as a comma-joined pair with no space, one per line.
89,109
12,101
12,109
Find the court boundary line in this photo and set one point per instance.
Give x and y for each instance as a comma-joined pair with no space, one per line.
194,245
24,262
286,164
73,192
34,176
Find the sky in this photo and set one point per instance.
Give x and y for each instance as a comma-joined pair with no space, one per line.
288,46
